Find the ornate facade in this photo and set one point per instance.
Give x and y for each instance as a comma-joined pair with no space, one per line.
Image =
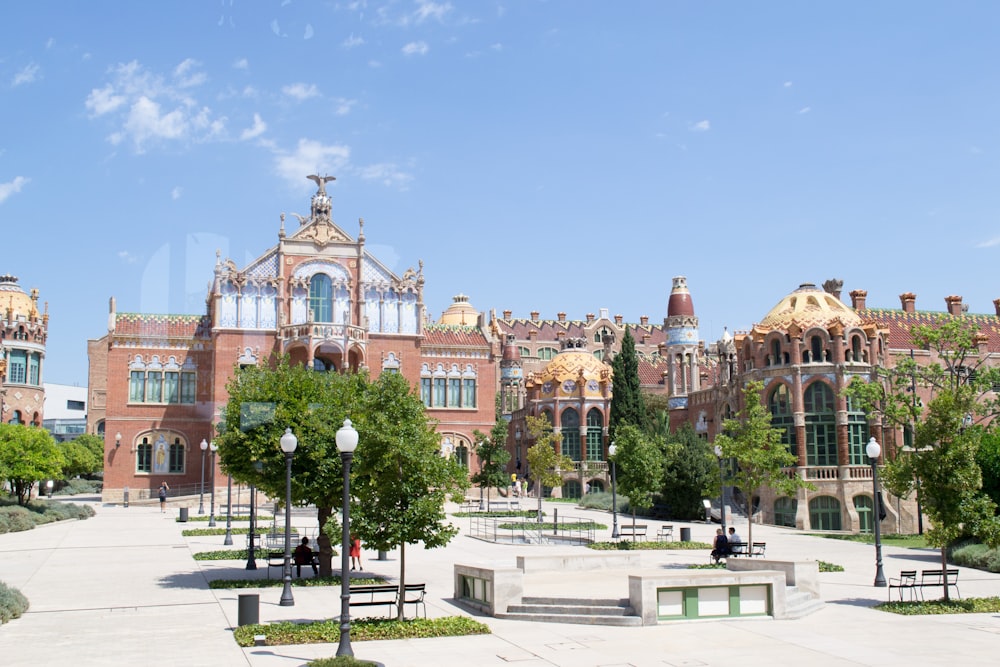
157,381
23,334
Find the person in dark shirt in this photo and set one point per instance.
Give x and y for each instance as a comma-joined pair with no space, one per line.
303,555
720,549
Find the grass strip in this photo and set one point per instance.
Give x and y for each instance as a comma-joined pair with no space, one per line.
304,582
365,629
934,607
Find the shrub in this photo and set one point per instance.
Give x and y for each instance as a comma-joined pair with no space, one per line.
340,661
12,603
17,518
365,629
80,486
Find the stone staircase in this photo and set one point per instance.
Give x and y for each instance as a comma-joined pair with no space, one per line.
584,611
799,604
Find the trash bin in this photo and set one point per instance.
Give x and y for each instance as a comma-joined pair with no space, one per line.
685,534
249,609
184,514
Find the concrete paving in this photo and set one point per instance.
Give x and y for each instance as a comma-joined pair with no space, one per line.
123,588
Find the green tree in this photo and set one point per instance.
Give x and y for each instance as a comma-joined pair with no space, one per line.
493,458
689,475
27,454
988,458
638,466
947,432
627,402
757,452
80,457
401,480
545,464
262,403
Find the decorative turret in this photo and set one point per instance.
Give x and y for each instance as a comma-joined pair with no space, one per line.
682,351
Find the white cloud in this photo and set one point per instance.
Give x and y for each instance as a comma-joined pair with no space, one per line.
176,193
28,74
343,106
308,33
127,257
431,10
701,126
258,128
301,91
388,173
416,48
805,109
12,188
242,63
148,107
989,243
788,84
311,157
352,42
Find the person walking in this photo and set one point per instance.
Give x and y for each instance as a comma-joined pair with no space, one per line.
355,551
163,496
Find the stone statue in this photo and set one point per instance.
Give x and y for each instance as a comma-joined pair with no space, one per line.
321,181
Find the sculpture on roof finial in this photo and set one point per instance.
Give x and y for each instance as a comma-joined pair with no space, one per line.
321,181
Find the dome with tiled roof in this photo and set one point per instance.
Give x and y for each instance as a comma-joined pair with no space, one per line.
808,307
13,298
460,312
568,369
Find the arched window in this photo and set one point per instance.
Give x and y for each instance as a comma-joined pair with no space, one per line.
821,428
780,405
16,418
547,353
856,355
816,349
176,460
784,511
776,352
144,456
597,486
857,434
571,489
864,507
321,298
595,445
824,513
571,433
462,456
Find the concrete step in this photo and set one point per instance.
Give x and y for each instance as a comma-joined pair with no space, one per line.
569,609
585,602
799,604
579,619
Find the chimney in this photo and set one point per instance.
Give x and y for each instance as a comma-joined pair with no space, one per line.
534,316
858,298
618,320
507,314
996,306
561,316
833,286
908,301
954,304
590,318
533,334
644,320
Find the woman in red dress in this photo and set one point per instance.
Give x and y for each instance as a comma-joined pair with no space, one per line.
355,551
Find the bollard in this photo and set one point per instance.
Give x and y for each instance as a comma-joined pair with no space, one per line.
249,609
126,496
184,514
555,521
382,555
685,534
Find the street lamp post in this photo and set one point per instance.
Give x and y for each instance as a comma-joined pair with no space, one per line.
211,507
873,450
347,442
288,444
252,540
229,511
614,492
201,493
722,490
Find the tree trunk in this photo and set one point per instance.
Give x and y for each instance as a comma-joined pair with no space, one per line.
944,571
402,582
323,514
749,523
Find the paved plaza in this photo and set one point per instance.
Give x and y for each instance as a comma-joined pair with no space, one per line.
122,588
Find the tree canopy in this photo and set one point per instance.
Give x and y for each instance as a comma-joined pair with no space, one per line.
688,475
27,454
756,450
627,402
544,462
638,466
493,456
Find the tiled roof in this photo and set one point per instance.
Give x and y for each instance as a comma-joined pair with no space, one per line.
548,330
651,369
900,323
453,334
164,326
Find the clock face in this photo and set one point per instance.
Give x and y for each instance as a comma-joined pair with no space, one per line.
547,388
592,385
569,386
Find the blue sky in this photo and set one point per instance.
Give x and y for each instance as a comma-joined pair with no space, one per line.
562,155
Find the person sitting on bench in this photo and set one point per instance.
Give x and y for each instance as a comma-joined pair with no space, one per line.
720,547
304,556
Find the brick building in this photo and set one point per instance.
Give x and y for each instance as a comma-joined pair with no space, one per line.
23,334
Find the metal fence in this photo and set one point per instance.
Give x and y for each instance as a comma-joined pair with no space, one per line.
527,530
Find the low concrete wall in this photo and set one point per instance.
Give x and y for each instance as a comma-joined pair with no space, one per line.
803,574
642,588
505,586
577,562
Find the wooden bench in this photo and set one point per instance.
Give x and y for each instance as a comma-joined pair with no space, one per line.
906,581
275,559
938,578
632,531
375,595
757,550
277,540
665,533
739,549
